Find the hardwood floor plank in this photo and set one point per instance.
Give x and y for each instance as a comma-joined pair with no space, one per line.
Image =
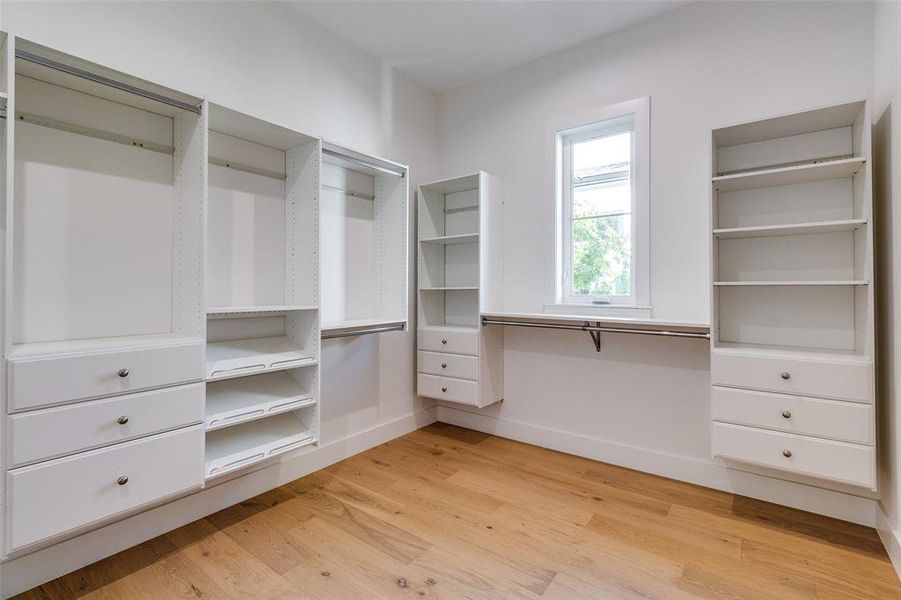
449,513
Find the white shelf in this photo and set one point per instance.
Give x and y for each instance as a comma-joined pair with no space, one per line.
249,443
239,358
91,346
821,171
448,289
792,229
223,310
450,328
692,326
789,283
450,240
794,352
235,401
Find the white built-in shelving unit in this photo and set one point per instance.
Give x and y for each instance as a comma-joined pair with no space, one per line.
460,276
364,252
103,316
792,285
262,291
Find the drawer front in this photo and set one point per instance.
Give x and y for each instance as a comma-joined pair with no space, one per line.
35,382
448,388
442,339
449,365
845,381
827,459
55,497
834,419
52,432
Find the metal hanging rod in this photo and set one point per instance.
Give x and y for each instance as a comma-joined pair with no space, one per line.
119,85
349,193
364,163
230,164
595,330
330,335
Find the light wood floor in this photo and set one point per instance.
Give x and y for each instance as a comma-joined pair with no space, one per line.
450,513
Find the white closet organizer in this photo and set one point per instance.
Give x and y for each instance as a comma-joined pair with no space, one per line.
103,323
792,361
460,277
364,251
262,291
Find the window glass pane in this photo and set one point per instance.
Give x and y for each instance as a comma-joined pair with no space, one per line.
614,197
602,256
602,155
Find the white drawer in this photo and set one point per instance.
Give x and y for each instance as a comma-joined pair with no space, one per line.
449,365
448,388
825,379
43,381
835,419
454,340
52,432
826,459
52,498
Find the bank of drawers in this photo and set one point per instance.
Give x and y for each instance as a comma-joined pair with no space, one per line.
807,416
88,441
448,364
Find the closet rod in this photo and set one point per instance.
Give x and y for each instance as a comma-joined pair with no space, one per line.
348,192
364,163
119,85
329,335
595,330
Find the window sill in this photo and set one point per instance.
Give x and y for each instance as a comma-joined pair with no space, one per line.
607,310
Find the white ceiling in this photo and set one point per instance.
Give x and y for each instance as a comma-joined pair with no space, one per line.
447,43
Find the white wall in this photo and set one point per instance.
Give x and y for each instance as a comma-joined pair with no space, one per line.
267,60
887,189
644,402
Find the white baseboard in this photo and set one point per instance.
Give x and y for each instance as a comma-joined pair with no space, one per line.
840,505
891,538
23,573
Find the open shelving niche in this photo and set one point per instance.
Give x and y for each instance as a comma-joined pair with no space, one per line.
262,291
364,251
124,171
792,242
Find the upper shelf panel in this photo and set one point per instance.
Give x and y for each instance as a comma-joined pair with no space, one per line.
820,171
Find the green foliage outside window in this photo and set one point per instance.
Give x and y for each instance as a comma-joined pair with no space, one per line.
601,256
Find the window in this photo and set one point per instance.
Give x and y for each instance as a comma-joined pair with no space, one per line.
602,182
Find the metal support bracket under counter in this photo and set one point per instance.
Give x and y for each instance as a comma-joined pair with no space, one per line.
595,326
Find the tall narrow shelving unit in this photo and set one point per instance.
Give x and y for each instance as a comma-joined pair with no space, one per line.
460,276
792,361
364,252
262,291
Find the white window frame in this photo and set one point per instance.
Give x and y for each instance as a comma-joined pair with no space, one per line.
586,126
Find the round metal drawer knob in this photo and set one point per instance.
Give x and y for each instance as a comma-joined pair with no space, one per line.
443,365
123,373
443,341
786,414
122,480
444,389
122,420
787,453
785,375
